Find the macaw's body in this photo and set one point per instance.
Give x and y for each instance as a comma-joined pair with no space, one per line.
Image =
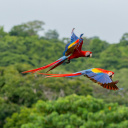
78,54
72,50
75,50
97,75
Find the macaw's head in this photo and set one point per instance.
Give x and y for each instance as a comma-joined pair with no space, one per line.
111,74
88,54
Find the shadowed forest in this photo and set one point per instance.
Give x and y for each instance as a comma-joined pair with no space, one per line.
32,101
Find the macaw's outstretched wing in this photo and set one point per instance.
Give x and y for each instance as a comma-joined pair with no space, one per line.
73,36
101,78
71,48
95,74
72,45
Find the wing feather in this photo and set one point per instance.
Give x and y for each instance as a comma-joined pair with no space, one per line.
94,74
101,78
75,44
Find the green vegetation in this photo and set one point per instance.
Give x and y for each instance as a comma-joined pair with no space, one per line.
71,112
31,101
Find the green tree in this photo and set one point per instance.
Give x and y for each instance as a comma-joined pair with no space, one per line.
97,46
23,52
124,40
66,40
27,29
6,110
124,37
70,112
51,34
2,32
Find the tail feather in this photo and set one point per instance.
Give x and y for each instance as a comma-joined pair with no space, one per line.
62,75
59,63
62,59
47,74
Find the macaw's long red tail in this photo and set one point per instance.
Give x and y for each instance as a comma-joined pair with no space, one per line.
54,64
63,75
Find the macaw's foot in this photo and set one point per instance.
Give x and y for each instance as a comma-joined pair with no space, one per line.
68,61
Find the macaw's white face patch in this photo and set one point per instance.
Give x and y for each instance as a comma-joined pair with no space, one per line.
88,54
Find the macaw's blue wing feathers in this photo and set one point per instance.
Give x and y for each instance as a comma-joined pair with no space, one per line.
96,75
72,45
73,39
81,35
101,78
73,36
75,44
90,73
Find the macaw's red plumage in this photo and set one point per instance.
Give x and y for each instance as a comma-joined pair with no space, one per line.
97,75
72,50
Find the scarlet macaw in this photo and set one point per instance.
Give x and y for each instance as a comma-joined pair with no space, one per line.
97,75
72,50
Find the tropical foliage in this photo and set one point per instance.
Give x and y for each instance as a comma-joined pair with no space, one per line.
71,112
27,100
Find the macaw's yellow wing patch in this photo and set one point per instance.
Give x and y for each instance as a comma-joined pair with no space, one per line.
95,70
75,42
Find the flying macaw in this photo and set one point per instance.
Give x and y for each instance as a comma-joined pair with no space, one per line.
97,75
72,50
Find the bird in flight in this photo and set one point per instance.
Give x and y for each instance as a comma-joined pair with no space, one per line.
72,50
101,76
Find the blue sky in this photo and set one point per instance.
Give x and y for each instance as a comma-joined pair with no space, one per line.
107,19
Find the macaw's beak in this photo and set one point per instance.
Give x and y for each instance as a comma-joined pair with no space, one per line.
111,76
90,55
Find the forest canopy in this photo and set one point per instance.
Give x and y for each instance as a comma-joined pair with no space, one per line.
25,97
